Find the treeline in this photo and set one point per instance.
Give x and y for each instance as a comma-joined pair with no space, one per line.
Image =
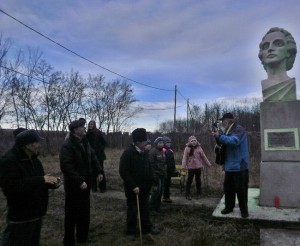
201,119
34,95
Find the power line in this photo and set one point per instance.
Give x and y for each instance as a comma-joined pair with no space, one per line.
38,79
82,57
29,76
181,95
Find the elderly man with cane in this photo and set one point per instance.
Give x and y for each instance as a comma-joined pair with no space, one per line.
137,175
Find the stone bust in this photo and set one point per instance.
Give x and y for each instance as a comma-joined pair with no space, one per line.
277,52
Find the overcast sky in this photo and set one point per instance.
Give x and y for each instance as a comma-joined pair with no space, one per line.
209,49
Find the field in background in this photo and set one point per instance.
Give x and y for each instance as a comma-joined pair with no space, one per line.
181,225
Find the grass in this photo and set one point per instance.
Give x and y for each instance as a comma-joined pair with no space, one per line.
181,225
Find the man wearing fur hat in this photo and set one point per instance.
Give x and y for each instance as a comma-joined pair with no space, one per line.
236,164
137,175
78,162
25,186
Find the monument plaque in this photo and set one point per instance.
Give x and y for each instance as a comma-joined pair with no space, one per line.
281,139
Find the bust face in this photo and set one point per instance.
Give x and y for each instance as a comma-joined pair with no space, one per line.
274,49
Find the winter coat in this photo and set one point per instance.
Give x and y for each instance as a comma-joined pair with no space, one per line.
237,154
195,161
23,184
97,142
170,161
78,162
157,160
136,171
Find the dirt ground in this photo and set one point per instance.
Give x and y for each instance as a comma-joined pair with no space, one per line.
184,224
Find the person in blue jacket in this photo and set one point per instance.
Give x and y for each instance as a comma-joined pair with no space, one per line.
236,164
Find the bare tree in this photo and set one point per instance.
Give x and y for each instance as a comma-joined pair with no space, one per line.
118,96
94,99
109,103
4,88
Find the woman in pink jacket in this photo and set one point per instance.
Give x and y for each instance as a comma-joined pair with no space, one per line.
193,160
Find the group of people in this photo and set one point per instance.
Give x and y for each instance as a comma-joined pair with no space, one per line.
146,172
25,184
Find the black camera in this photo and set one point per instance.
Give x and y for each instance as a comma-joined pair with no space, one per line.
215,127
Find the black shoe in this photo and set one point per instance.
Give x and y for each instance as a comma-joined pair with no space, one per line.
130,237
188,197
245,214
226,211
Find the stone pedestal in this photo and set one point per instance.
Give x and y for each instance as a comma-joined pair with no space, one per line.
280,165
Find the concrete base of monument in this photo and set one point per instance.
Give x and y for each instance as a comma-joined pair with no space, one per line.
280,180
257,212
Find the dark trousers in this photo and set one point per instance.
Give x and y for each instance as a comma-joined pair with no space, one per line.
191,174
236,183
157,192
167,187
77,214
132,213
95,184
21,234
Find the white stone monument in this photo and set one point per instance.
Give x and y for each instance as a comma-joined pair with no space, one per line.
279,122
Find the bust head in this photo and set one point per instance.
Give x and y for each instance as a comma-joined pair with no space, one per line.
283,41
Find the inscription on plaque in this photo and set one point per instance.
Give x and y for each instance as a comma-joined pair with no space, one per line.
281,139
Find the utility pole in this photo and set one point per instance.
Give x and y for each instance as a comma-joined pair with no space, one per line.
187,115
174,124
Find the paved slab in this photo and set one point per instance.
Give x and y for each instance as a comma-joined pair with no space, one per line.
278,237
257,212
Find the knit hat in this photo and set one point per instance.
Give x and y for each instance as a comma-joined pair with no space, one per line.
75,124
167,139
159,139
139,135
227,116
27,137
18,130
82,119
192,138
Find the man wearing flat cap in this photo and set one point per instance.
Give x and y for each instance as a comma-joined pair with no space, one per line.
137,175
78,163
25,186
236,164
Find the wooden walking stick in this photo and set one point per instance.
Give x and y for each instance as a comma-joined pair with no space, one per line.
139,217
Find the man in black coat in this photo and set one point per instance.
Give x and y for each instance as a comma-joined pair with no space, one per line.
25,186
78,162
98,143
137,175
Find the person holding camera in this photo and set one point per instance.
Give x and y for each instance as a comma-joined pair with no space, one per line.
235,164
